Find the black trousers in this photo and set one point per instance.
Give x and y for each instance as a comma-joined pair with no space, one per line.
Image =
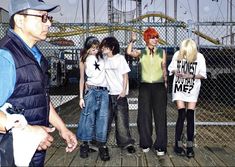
152,100
120,113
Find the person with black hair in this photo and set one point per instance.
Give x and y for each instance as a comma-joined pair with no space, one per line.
117,69
94,100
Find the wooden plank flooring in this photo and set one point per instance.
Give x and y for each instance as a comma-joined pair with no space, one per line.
205,156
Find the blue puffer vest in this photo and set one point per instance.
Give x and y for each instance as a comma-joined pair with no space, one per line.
31,88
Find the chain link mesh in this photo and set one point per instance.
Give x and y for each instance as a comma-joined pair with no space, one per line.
215,110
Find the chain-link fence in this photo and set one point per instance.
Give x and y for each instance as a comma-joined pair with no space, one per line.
215,111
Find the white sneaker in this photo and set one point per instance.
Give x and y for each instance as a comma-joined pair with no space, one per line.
145,150
160,152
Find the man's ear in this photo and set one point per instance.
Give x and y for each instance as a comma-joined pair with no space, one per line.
19,20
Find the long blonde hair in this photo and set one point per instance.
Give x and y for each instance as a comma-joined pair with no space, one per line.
188,50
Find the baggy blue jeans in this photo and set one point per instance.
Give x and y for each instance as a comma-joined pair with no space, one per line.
93,122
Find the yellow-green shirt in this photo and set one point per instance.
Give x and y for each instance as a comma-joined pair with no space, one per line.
151,66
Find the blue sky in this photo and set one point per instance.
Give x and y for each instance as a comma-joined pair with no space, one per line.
209,10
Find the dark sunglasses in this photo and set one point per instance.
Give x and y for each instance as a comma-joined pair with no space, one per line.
44,17
153,37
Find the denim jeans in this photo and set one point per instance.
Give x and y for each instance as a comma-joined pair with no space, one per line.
38,159
93,123
120,113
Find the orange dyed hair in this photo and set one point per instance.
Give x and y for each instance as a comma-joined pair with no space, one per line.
149,33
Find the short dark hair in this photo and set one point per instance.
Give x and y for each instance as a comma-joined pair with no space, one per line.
111,43
12,22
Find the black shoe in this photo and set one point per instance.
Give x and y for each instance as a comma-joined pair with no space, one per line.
179,151
190,152
84,149
130,149
104,153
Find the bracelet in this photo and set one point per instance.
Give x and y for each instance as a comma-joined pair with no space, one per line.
81,98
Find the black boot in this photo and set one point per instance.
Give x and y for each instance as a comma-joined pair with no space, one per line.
130,149
190,152
104,153
84,149
178,149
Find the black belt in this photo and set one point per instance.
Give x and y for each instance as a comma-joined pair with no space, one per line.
96,87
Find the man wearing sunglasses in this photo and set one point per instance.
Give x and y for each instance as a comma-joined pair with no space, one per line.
23,74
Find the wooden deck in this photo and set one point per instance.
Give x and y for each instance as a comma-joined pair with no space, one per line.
218,154
205,156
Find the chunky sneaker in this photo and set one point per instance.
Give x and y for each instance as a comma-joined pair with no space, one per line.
84,149
130,149
104,153
179,151
160,152
190,152
145,150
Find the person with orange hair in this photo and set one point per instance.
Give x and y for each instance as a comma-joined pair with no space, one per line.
152,98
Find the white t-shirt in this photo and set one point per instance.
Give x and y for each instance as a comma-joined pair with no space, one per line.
95,71
187,89
115,67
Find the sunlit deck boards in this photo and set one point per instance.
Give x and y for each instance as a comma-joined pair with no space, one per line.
205,156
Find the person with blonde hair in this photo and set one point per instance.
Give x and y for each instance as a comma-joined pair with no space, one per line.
188,67
152,98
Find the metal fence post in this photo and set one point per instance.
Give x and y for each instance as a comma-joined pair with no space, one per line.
189,28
